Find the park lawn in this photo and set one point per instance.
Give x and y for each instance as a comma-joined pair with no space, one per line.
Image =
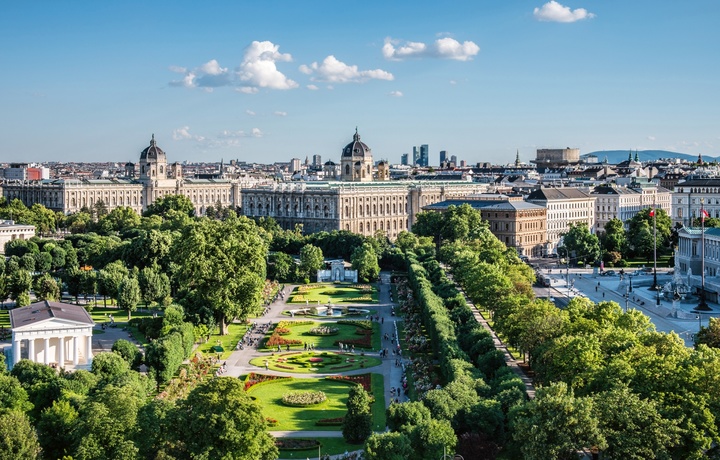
311,294
378,406
299,362
236,331
5,318
663,260
269,397
346,332
329,446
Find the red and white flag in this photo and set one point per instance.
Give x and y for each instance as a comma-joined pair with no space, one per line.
652,212
704,214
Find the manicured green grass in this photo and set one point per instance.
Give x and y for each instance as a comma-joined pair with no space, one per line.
102,315
346,332
662,261
269,396
324,293
300,363
5,318
330,446
227,342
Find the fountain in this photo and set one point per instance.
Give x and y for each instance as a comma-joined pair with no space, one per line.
678,289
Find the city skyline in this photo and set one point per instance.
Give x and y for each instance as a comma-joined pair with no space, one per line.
271,81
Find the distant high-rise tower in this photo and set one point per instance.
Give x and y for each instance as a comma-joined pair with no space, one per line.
404,159
416,156
317,162
295,165
443,156
424,155
453,159
517,159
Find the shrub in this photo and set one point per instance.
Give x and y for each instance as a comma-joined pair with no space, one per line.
296,444
323,331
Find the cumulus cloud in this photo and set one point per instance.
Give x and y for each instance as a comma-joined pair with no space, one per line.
183,134
257,70
256,132
334,71
651,138
553,11
396,93
223,139
280,113
442,48
312,87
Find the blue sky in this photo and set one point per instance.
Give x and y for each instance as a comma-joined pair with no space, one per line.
268,81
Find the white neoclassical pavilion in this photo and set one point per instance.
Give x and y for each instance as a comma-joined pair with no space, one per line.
52,333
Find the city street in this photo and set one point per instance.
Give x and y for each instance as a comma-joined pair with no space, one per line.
678,317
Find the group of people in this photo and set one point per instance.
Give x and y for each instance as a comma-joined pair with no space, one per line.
221,370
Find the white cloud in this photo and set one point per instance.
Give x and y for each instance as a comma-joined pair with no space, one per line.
334,71
256,132
280,113
453,82
442,48
396,93
250,112
257,70
651,138
553,11
183,134
312,87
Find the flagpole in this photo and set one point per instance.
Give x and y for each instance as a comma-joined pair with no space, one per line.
655,283
702,305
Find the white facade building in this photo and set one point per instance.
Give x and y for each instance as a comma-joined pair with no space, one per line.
625,202
52,333
689,196
565,206
10,231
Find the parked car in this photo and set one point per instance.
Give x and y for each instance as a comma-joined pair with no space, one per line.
609,273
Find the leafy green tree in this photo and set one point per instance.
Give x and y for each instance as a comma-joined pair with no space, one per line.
56,429
19,285
43,262
27,262
614,239
108,366
556,424
281,267
19,248
109,279
643,241
709,335
12,395
429,223
357,424
365,261
403,417
41,382
128,351
46,288
154,429
79,222
432,439
311,260
580,245
149,249
633,427
388,446
128,294
406,241
120,219
221,266
164,356
154,286
163,206
18,440
663,224
219,420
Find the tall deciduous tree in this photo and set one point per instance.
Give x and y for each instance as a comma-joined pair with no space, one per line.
357,424
18,440
128,294
311,260
365,261
222,265
614,239
579,245
219,420
556,424
164,205
388,446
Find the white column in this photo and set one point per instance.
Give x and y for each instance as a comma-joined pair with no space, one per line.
16,351
61,345
47,350
31,349
88,357
75,353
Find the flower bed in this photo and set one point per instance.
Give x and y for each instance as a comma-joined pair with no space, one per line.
296,444
361,323
364,342
253,379
338,368
316,360
324,330
271,421
289,324
281,330
303,398
338,421
361,379
276,340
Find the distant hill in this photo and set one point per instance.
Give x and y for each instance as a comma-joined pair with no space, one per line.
616,156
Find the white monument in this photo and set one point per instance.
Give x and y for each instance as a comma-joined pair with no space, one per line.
52,333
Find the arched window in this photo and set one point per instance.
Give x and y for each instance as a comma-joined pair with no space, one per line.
347,169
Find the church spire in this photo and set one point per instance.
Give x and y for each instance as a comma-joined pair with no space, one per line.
637,159
517,157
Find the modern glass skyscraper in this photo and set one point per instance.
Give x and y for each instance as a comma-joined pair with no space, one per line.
443,156
424,155
404,159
